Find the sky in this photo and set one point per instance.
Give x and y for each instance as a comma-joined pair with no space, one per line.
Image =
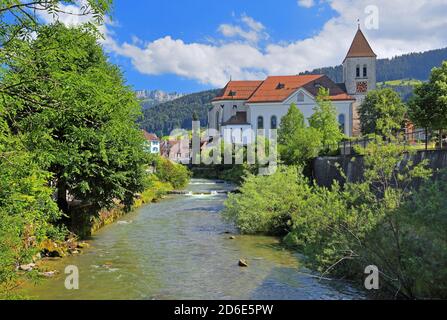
193,45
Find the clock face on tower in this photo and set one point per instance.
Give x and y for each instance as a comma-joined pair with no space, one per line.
362,87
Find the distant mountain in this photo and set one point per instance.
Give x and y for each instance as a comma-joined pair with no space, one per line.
409,66
150,98
163,118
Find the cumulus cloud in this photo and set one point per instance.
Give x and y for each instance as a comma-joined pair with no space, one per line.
252,32
306,3
405,26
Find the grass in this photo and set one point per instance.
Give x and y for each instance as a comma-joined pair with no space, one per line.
401,82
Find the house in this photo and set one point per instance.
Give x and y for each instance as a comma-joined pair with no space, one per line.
177,150
246,106
152,144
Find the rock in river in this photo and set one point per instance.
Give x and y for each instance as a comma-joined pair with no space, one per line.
243,263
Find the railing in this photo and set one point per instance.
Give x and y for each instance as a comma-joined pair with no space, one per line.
418,139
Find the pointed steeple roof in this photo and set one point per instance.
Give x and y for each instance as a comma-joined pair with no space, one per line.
360,47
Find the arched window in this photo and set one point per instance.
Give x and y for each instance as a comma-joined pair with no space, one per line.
300,97
274,122
357,71
342,123
260,123
365,71
217,120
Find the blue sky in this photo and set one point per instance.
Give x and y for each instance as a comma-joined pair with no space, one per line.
192,45
198,21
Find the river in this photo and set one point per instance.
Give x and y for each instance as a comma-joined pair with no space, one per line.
179,249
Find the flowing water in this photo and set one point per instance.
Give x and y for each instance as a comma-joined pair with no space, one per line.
180,249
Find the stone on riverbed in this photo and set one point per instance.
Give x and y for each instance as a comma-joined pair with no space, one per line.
48,274
232,238
27,267
243,263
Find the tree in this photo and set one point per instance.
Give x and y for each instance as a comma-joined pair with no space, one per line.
324,119
296,142
291,123
78,117
428,108
382,112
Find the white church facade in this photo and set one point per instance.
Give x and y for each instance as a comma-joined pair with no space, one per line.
247,106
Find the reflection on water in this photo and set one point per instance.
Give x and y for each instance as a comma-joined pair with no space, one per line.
180,249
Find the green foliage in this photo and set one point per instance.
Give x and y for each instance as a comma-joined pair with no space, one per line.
324,120
81,118
428,108
382,112
175,174
27,211
383,220
297,143
265,203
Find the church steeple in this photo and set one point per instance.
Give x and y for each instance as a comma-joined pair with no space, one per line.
359,67
360,47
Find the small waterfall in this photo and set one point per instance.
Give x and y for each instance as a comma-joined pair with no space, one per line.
214,193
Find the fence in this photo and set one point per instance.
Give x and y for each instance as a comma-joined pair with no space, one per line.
418,139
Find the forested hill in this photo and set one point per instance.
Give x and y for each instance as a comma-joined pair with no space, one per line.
165,117
408,66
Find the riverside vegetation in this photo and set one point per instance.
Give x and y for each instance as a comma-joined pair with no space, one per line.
395,218
71,154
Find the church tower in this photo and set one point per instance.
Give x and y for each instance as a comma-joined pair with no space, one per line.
359,74
359,68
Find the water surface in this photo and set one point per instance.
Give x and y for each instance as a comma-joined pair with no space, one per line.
179,249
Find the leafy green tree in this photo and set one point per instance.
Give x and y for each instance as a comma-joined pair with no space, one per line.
78,117
291,123
296,142
382,112
428,108
324,119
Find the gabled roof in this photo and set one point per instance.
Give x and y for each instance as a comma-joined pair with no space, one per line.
150,136
360,47
279,88
238,90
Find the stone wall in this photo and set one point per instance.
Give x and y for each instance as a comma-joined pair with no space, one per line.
327,169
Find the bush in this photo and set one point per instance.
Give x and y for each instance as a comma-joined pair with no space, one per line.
264,203
175,174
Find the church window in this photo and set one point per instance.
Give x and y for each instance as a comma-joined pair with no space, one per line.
274,123
365,71
342,122
260,123
357,71
217,120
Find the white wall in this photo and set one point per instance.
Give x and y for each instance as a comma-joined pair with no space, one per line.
267,110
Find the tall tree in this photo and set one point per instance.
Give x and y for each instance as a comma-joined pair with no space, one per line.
382,112
81,118
324,119
428,108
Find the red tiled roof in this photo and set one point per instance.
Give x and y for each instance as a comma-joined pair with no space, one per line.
360,47
150,136
279,88
238,90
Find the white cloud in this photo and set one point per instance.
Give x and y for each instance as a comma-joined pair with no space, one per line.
253,32
306,3
405,26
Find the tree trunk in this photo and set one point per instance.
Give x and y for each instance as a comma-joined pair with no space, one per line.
62,197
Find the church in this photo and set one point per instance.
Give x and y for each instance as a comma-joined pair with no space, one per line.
244,106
